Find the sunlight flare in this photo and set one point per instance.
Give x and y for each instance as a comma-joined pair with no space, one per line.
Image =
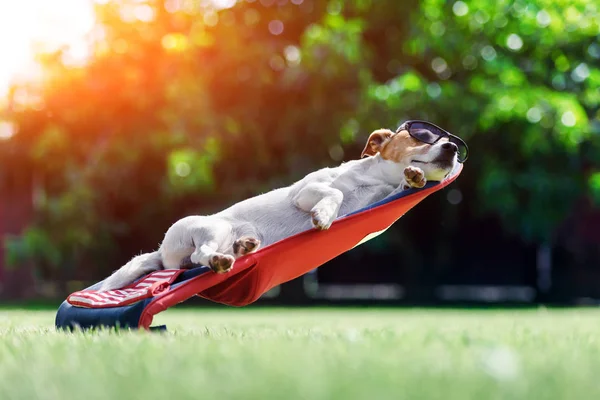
30,26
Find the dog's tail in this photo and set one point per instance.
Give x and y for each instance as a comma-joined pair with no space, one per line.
137,267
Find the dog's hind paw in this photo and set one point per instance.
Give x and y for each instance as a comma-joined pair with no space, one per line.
245,245
221,263
415,177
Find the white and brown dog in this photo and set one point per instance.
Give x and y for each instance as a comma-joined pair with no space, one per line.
390,162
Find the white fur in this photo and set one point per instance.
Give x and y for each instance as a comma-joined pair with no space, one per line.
316,200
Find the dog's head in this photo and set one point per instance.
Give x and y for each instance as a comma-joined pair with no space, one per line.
436,160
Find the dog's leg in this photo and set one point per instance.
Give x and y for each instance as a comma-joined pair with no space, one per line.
245,245
207,255
321,201
326,211
198,240
211,240
413,177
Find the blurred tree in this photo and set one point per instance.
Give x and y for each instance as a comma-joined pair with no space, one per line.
177,99
187,107
519,80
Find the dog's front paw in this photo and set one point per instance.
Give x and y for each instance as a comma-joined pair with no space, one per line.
221,263
322,219
245,245
415,177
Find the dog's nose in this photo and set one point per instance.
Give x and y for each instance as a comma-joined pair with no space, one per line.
450,147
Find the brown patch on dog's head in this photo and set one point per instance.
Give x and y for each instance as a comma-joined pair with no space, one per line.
393,146
403,147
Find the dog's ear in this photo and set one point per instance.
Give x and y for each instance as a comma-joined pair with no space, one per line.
377,140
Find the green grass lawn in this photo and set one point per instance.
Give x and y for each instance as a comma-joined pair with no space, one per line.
309,354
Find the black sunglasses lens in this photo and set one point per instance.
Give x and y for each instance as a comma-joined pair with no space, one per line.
430,134
424,132
463,151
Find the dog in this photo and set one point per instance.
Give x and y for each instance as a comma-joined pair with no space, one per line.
386,167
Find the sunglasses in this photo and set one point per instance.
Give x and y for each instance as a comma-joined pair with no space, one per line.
429,133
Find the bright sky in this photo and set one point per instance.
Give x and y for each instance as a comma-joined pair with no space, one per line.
25,24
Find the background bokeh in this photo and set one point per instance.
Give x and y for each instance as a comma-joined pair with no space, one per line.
178,107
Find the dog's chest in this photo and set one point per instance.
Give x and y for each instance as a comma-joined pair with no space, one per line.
361,193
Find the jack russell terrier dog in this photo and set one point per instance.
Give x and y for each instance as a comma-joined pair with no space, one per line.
390,162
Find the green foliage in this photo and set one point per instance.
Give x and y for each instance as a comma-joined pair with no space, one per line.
518,81
33,243
192,170
594,183
232,102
